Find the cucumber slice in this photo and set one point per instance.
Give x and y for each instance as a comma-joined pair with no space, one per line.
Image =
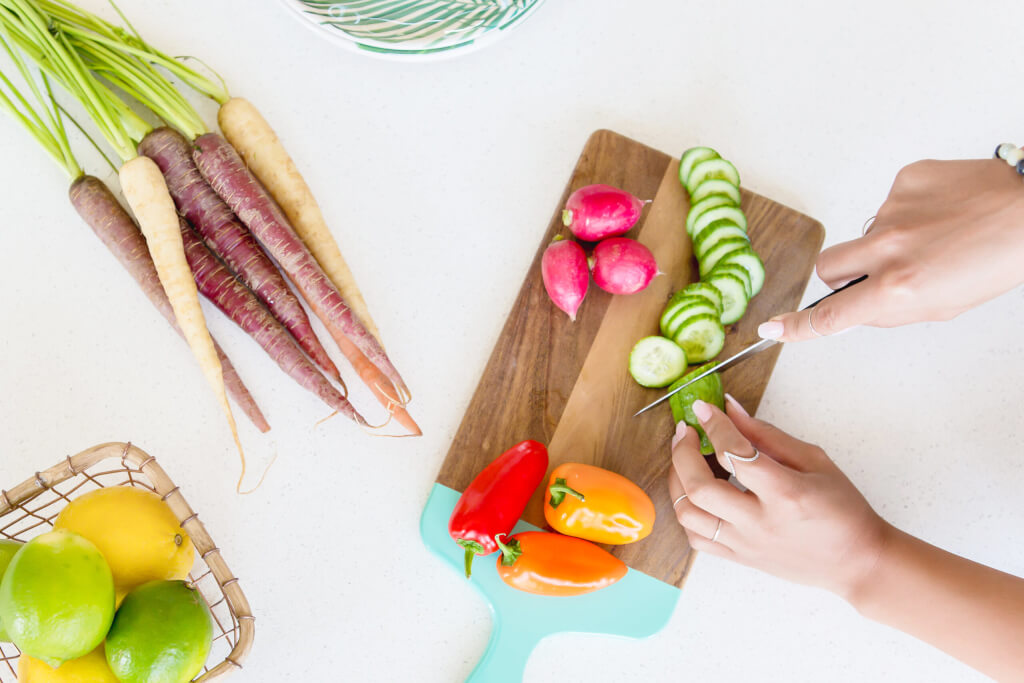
656,362
713,234
710,169
734,296
702,337
708,389
737,270
709,202
732,213
715,186
715,254
690,158
705,290
749,259
671,324
678,302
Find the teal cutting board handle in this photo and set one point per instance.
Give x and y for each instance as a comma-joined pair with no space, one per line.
637,606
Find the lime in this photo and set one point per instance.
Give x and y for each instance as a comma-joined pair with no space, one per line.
161,634
57,597
7,550
92,668
707,389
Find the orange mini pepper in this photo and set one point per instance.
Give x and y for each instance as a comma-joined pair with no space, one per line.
551,564
601,506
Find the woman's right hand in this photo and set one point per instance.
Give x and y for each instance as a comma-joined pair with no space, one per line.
950,236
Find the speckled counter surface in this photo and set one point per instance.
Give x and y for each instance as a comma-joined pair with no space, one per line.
437,179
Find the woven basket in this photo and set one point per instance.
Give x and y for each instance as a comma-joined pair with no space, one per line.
31,507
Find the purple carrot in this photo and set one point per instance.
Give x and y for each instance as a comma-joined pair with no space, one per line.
237,301
229,239
228,175
104,214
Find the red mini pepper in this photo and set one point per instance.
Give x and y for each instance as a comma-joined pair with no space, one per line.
495,499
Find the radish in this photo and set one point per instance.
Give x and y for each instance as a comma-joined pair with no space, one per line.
623,266
566,278
595,212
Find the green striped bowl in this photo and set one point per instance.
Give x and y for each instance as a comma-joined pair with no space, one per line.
413,29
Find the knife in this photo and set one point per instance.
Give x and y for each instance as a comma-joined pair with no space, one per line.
752,350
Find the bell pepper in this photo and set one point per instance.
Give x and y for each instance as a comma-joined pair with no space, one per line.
495,499
601,506
551,564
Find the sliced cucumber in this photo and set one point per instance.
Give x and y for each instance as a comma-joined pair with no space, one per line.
710,169
705,290
671,324
713,234
715,254
690,158
656,362
701,337
734,269
732,213
715,186
734,296
709,202
749,259
678,302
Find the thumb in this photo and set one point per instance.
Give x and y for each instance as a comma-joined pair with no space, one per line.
835,314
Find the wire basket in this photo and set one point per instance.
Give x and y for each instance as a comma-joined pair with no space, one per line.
30,508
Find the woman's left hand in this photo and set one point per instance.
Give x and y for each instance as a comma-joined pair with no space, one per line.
800,519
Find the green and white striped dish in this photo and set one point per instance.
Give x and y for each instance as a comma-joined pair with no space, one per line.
413,29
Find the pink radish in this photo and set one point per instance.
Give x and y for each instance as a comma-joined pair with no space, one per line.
598,211
565,273
623,266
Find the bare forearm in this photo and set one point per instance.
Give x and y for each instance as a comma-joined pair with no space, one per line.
970,611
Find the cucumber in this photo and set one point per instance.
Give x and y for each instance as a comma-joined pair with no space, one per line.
715,186
734,269
702,337
710,169
748,259
672,320
709,390
656,362
705,290
690,158
734,296
713,234
717,252
732,213
678,302
709,202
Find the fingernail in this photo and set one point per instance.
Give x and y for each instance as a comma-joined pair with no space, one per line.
680,433
702,410
736,405
772,329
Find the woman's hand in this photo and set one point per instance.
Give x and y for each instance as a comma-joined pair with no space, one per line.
800,519
950,236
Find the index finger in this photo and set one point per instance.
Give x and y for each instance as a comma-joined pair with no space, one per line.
850,308
700,485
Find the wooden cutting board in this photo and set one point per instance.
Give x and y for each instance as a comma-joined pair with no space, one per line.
566,383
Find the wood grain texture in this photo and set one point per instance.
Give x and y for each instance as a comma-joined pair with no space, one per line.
566,384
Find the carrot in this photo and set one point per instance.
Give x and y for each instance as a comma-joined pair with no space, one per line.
229,239
115,228
237,301
229,177
254,139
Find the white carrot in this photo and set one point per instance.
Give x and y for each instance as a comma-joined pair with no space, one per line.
250,134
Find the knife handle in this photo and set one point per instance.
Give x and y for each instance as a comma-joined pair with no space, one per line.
845,287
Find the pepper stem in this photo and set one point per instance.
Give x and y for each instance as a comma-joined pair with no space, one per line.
510,551
558,491
472,549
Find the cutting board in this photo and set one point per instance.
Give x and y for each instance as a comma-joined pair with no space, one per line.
566,384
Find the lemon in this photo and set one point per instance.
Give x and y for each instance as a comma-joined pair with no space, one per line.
92,668
135,530
161,634
7,550
57,597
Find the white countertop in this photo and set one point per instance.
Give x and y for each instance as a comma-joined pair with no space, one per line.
438,180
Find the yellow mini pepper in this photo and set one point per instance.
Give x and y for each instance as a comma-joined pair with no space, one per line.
601,506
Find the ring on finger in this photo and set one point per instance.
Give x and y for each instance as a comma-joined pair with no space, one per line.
867,225
718,530
731,457
678,500
810,322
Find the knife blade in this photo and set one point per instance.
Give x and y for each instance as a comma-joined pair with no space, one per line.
746,353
